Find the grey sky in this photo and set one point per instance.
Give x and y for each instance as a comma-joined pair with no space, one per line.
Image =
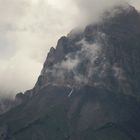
28,28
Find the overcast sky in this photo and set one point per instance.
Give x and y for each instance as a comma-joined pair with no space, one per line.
28,28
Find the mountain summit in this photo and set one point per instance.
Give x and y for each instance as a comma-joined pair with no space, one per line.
89,87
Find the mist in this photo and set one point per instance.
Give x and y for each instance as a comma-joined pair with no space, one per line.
28,28
27,31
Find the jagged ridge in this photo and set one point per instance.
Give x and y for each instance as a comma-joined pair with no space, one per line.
88,88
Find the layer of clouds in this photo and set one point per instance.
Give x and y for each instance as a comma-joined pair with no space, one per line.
28,28
92,10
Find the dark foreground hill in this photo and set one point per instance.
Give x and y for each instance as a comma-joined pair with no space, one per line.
89,87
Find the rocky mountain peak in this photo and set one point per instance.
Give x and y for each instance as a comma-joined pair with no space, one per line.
104,54
89,87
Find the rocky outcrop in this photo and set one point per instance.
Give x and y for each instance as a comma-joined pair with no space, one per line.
88,88
105,54
6,104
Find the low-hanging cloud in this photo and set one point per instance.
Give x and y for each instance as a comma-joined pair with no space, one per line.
68,70
92,10
28,28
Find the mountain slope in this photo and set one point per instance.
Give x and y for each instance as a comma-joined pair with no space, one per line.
88,88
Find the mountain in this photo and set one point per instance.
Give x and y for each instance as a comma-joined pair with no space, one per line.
89,87
6,104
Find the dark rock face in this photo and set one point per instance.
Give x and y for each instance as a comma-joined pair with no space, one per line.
6,104
106,54
88,88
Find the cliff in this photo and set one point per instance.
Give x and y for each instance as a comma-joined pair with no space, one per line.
88,87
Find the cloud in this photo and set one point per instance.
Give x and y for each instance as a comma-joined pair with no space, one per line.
135,3
92,10
28,28
78,67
